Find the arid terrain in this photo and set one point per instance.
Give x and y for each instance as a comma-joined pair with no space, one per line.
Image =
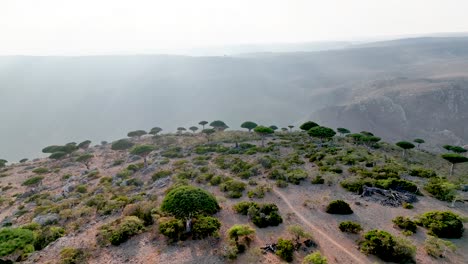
64,190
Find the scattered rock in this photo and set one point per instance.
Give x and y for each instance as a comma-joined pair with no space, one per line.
133,158
68,188
46,219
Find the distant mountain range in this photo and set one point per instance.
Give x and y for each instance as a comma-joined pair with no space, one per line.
399,89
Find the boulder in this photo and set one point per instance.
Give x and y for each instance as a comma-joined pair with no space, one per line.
47,219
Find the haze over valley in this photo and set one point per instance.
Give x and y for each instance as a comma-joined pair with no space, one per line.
399,89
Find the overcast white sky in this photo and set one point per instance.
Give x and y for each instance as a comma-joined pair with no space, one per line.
43,27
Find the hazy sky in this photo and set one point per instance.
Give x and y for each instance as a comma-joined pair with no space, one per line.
113,26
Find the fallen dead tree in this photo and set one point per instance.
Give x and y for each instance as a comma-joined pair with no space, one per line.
273,247
388,197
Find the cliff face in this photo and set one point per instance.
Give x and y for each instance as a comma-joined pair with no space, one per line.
435,109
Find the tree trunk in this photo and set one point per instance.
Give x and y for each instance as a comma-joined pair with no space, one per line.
404,153
451,169
144,160
188,225
263,139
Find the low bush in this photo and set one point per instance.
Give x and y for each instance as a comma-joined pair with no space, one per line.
350,227
172,153
205,226
47,235
441,189
258,192
16,240
120,230
160,174
118,162
407,205
233,188
216,180
296,176
41,170
172,228
281,183
387,247
81,188
437,247
142,210
314,258
318,180
285,249
442,224
405,223
70,255
339,207
262,215
33,181
422,172
356,185
397,184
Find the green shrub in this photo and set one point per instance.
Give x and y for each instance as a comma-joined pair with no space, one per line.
356,185
262,215
121,230
41,170
135,167
437,247
173,152
314,258
422,172
160,174
281,183
318,180
407,205
142,210
339,207
47,235
441,189
387,171
118,162
243,207
397,184
387,247
442,224
72,256
350,227
205,226
233,188
296,176
33,181
258,192
81,188
216,180
16,240
285,249
405,223
172,229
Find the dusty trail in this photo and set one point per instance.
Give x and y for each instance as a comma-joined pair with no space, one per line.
358,259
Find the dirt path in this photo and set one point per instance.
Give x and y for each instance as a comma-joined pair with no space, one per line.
314,228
